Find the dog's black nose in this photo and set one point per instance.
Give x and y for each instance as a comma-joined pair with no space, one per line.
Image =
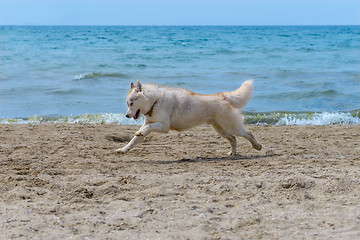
127,115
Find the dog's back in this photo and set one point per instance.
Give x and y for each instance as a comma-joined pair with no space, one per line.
187,109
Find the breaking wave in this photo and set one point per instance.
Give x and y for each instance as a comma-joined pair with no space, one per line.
271,118
303,118
100,118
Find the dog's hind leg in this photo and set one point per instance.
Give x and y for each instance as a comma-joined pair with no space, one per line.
135,140
228,136
234,125
242,132
248,135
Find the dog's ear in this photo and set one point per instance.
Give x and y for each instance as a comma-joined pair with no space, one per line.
139,86
132,85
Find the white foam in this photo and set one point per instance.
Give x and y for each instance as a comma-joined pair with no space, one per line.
325,118
83,76
100,118
104,118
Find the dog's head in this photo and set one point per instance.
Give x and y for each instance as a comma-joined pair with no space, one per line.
136,101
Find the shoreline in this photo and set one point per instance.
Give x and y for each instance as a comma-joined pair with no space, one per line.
286,118
65,180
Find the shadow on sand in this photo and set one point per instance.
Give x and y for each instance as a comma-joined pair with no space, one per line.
215,159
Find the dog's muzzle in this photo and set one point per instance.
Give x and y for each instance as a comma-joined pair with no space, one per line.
136,116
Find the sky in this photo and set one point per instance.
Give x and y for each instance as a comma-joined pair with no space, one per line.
179,12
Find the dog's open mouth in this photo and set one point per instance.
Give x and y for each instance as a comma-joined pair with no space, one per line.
137,114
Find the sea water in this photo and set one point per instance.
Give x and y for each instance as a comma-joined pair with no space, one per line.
302,74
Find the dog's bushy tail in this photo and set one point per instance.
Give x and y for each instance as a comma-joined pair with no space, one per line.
240,97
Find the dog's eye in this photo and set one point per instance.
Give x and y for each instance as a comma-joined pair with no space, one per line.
131,104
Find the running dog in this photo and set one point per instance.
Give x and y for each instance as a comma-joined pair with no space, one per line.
179,109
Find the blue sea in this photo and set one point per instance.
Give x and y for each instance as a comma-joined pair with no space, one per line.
302,74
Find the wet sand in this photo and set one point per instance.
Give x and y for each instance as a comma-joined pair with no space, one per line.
65,181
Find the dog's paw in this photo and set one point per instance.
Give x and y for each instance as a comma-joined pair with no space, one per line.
257,146
231,154
139,134
121,151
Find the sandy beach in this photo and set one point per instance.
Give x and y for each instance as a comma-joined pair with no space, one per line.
65,181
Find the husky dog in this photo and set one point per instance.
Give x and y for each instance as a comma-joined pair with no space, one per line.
179,109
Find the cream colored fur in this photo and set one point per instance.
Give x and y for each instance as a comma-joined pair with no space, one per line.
179,109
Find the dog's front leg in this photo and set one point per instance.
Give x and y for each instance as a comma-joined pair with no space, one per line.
135,140
153,127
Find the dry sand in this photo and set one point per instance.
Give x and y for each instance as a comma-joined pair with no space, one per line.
65,181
